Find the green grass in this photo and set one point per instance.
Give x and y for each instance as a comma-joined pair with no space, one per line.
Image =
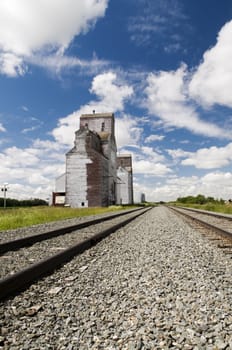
22,217
215,207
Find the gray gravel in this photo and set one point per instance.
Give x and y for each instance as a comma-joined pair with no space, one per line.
155,284
222,221
13,261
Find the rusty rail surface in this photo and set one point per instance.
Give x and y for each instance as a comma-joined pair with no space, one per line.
210,213
218,230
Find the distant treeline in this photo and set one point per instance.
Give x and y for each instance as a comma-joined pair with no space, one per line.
199,199
10,202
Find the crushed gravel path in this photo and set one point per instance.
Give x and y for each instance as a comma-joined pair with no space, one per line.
13,261
155,284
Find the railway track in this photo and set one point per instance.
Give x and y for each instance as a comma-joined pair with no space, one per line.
219,226
155,284
23,237
49,250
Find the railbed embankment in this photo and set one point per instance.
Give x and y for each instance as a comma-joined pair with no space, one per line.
154,284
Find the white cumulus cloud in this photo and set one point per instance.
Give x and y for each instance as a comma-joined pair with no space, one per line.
220,180
113,94
212,81
111,97
154,137
28,28
210,158
178,153
148,162
127,131
167,98
2,128
213,184
147,167
30,171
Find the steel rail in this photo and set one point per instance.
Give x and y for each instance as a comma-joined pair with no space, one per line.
29,240
216,229
217,215
19,281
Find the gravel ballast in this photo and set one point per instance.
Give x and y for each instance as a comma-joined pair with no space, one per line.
155,284
13,261
221,221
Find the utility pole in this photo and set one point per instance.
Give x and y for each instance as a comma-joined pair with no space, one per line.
4,189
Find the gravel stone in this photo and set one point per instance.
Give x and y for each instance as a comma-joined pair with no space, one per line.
155,284
13,261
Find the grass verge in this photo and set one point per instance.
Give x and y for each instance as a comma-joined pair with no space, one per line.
23,217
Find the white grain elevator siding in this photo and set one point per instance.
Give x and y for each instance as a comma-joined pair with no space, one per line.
76,179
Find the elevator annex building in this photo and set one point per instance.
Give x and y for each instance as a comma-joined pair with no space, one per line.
95,175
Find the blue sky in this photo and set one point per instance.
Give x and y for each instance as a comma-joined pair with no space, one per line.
164,67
